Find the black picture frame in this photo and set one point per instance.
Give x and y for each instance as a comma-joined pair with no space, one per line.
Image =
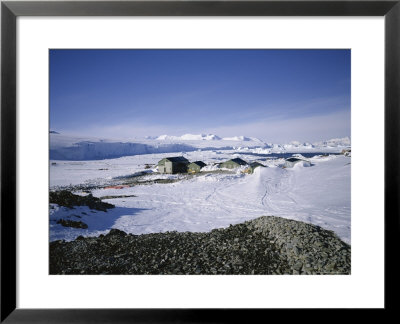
10,10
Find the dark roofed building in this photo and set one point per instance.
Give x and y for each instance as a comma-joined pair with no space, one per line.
176,164
291,162
232,164
254,165
292,159
196,166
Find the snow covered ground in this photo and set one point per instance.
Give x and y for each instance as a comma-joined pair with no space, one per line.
319,194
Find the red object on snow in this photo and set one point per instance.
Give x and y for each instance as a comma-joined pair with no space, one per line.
117,187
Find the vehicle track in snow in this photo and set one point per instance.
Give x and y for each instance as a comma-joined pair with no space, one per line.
221,201
277,186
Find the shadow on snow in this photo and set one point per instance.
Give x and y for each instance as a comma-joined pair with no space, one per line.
98,222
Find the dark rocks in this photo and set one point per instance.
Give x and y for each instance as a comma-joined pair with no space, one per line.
68,199
71,223
321,250
266,245
116,232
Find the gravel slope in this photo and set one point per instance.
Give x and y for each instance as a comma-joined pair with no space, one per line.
266,245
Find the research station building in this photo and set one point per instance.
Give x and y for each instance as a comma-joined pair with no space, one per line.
176,164
233,164
196,166
291,162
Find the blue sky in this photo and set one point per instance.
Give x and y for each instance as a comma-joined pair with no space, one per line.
275,95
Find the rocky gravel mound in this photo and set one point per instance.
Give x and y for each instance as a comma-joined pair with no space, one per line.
266,245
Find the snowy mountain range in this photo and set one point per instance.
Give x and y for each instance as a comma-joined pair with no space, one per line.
206,137
64,147
190,137
334,142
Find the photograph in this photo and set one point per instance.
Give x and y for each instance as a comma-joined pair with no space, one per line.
199,161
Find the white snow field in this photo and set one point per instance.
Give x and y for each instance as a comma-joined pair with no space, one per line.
319,194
